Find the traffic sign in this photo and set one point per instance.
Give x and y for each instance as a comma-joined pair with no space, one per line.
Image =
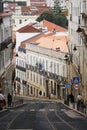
76,86
67,85
76,80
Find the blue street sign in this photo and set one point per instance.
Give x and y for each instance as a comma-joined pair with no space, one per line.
67,85
76,80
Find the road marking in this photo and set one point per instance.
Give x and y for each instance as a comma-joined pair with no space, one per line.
71,113
51,110
20,129
32,109
41,110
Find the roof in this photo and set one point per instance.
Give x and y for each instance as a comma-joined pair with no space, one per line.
52,26
49,40
28,29
33,39
5,14
54,42
19,26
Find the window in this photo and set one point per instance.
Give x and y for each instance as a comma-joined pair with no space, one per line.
46,64
40,80
20,21
63,71
31,60
57,68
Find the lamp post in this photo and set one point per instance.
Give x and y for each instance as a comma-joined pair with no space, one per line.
83,35
68,58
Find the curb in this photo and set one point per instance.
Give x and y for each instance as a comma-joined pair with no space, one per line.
75,110
4,111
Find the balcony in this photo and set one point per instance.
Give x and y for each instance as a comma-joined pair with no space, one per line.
24,82
21,49
84,15
5,43
46,73
17,79
21,68
84,11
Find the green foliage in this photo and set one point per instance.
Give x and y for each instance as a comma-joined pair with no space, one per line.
59,19
46,15
55,15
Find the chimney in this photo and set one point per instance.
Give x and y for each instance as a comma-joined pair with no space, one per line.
1,6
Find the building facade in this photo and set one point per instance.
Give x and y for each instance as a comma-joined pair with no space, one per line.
41,70
6,52
77,40
46,69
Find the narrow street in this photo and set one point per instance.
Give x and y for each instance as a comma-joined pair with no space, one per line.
42,115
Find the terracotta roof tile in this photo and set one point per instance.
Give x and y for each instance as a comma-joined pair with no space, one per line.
52,26
5,14
49,41
27,29
53,43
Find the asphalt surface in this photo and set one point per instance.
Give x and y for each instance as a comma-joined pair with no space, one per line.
42,115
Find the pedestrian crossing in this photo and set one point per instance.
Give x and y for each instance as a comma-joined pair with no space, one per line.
42,102
39,110
20,129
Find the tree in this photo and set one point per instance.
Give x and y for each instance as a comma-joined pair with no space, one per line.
57,9
46,15
58,19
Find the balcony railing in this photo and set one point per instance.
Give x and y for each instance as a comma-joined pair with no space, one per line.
46,73
18,79
5,43
24,82
21,49
21,68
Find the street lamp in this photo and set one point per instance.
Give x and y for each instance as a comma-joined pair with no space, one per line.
68,58
83,34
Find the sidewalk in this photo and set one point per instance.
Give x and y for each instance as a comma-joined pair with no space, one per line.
15,104
74,108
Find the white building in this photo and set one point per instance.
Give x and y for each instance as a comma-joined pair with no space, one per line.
46,69
23,32
6,52
49,53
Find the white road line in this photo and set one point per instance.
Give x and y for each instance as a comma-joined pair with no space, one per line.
51,109
41,110
20,129
32,109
